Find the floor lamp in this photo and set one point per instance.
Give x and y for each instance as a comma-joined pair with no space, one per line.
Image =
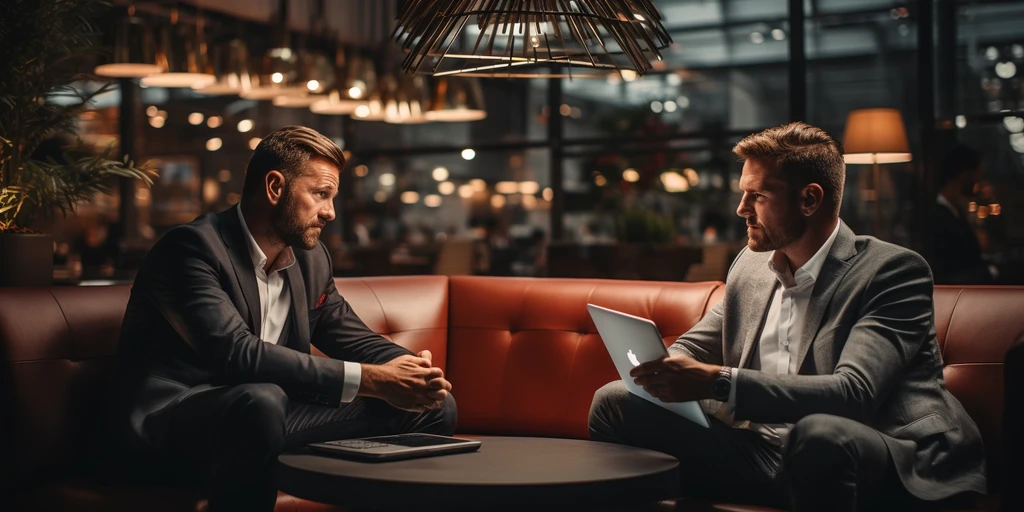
875,136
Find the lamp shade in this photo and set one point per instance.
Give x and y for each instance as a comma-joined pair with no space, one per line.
294,101
181,55
456,99
875,135
134,53
521,38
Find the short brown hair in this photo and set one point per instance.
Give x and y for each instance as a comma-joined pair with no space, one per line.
287,150
801,154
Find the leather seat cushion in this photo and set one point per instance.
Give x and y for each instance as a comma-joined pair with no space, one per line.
88,497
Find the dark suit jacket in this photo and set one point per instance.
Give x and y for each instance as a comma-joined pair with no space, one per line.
191,317
957,253
868,353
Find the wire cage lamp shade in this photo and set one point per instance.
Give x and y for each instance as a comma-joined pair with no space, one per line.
524,38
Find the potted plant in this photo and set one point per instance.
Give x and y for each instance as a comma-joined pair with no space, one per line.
43,45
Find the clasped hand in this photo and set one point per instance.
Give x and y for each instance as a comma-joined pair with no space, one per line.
676,378
408,382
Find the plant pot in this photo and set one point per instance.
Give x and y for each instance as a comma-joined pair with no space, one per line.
26,259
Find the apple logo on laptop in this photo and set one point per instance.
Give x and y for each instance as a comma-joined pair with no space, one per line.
632,358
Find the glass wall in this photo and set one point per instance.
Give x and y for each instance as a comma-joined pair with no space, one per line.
987,113
622,160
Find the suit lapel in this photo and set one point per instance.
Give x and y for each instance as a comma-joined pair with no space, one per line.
300,308
754,303
241,260
832,272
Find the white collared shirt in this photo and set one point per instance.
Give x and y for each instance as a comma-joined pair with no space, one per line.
276,302
779,345
941,199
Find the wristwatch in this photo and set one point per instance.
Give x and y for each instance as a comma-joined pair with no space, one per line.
722,385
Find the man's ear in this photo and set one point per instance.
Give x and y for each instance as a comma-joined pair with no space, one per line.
810,199
273,185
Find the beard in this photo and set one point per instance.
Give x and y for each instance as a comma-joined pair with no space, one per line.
294,232
766,238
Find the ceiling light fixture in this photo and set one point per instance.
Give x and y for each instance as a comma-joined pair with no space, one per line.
523,38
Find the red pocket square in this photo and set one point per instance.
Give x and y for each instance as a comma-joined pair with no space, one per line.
320,300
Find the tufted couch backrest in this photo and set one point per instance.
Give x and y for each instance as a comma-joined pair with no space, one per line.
524,357
522,354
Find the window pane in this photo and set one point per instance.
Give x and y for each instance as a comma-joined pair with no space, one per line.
990,58
677,208
444,213
866,58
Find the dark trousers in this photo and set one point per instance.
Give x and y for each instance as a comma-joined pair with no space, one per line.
830,463
227,438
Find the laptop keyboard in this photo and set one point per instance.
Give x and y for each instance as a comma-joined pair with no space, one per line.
357,444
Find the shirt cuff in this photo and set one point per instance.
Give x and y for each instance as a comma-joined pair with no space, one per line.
731,404
350,387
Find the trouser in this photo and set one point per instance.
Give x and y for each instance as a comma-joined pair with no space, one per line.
830,463
227,438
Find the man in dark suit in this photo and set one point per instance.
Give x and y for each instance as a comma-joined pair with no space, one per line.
215,376
956,257
819,366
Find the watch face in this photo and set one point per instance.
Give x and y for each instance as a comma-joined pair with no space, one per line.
721,389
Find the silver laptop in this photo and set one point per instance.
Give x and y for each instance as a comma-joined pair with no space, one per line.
632,340
395,447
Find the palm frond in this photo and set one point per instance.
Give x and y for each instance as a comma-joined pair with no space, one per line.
42,43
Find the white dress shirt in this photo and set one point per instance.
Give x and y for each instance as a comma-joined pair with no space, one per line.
779,345
276,303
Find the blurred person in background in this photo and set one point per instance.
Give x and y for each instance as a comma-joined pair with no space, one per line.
957,255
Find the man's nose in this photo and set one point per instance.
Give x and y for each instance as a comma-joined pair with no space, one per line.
743,210
328,212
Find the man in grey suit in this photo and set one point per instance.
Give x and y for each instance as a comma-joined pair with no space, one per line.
215,376
819,367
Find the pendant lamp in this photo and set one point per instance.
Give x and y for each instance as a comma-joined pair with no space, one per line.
356,77
523,38
231,69
408,102
134,54
456,98
181,55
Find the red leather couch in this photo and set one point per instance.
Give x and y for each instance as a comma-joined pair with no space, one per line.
522,354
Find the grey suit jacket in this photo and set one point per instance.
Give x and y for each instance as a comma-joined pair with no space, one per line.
868,353
190,321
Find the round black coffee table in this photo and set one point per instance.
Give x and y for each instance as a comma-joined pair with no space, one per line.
507,472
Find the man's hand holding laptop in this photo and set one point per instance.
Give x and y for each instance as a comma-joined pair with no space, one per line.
676,378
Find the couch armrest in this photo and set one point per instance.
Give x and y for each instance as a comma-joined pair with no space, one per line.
1013,427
